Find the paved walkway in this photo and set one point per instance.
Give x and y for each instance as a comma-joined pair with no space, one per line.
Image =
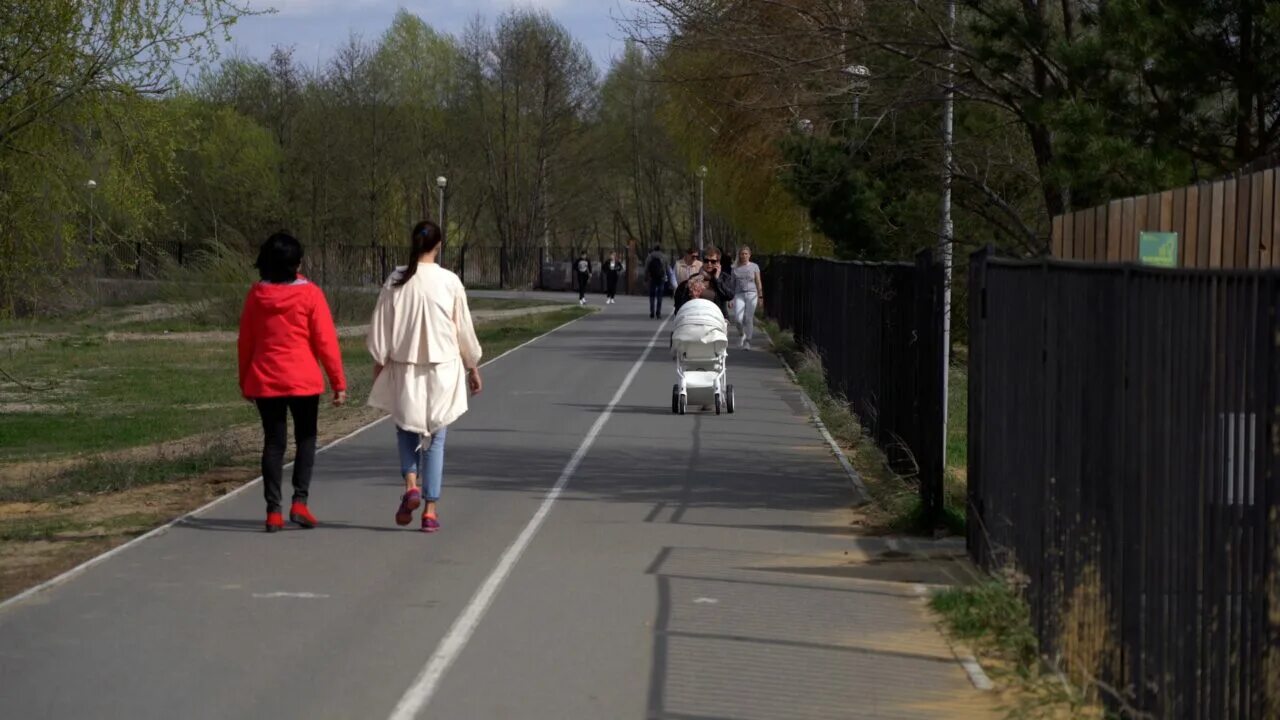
601,558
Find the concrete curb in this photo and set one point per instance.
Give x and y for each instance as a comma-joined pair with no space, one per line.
861,496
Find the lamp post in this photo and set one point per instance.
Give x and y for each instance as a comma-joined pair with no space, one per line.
91,185
442,182
702,177
859,76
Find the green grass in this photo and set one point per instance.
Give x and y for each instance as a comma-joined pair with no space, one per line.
101,395
59,527
896,496
349,307
90,396
103,476
992,616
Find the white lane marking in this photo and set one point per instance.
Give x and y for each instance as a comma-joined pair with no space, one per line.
705,601
424,686
73,572
302,595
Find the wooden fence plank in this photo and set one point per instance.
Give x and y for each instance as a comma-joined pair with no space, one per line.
1190,244
1166,211
1225,249
1253,240
1139,223
1081,223
1090,234
1206,223
1129,229
1239,257
1218,224
1275,224
1069,236
1055,237
1101,237
1179,223
1267,237
1115,223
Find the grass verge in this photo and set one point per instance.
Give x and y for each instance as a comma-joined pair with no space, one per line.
994,620
895,498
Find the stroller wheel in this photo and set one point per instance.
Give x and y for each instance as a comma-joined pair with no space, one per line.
719,403
675,399
728,399
682,403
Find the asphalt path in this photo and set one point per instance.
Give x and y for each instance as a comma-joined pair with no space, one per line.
599,558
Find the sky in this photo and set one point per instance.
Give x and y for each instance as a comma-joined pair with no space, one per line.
316,27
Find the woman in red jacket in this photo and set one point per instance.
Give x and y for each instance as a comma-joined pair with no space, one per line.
285,327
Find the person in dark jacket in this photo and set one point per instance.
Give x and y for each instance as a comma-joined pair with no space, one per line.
720,286
582,268
612,269
655,273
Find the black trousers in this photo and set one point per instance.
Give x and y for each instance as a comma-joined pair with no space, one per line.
583,280
611,284
275,431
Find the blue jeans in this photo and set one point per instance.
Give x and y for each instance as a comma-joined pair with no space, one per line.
656,291
425,462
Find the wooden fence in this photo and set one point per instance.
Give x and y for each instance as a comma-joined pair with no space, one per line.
1230,223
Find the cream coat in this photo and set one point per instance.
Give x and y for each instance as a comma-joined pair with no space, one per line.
422,334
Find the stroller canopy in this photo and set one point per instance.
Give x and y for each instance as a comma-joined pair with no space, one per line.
700,321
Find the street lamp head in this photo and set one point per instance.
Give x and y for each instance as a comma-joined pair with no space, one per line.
702,171
442,182
861,71
91,184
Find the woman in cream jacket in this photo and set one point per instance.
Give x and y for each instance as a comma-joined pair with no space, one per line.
426,359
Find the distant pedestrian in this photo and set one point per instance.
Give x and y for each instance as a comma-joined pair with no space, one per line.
688,266
426,359
655,272
582,268
748,295
285,327
612,269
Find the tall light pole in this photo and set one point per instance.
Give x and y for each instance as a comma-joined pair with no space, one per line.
702,178
91,185
442,182
947,229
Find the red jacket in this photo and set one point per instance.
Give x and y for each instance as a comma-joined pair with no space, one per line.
283,330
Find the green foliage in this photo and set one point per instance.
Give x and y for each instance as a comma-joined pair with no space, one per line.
992,614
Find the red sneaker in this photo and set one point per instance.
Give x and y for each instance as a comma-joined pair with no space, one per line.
298,513
275,522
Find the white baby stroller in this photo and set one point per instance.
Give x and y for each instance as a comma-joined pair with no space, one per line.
700,345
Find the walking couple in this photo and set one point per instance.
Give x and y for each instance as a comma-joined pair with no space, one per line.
426,360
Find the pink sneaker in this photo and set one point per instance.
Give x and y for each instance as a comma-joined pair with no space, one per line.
430,524
408,503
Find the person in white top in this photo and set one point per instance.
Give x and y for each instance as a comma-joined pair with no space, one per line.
748,296
426,358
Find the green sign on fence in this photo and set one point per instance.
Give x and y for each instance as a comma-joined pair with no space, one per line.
1158,248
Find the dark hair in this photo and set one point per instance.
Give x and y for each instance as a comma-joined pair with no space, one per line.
657,247
279,258
709,251
426,236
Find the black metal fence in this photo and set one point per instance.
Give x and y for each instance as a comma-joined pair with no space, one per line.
878,328
1124,457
